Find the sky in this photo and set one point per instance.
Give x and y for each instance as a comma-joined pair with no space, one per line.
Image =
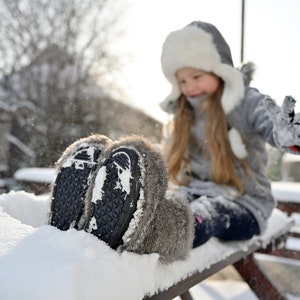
271,30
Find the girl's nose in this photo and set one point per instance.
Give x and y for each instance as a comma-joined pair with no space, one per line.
192,88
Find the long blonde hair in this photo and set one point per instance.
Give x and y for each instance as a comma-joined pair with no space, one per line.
223,160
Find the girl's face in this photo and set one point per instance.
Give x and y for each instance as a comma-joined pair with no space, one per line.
194,83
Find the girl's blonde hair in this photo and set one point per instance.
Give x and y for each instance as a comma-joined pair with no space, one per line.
216,141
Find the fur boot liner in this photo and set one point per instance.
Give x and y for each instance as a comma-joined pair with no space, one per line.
171,231
95,140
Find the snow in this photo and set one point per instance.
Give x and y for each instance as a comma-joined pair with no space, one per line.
38,261
25,207
222,290
291,158
286,191
44,175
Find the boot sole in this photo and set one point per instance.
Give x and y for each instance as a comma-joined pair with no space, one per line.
115,196
70,187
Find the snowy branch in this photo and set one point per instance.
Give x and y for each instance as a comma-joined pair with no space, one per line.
25,149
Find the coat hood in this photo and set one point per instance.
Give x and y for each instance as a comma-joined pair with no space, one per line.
200,45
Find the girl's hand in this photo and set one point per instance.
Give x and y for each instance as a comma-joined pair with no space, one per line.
286,124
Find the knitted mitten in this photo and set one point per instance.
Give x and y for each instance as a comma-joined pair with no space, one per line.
286,129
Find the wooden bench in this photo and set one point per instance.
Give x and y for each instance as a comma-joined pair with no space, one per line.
287,195
243,259
37,180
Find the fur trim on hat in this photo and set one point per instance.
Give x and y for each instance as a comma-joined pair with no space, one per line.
194,47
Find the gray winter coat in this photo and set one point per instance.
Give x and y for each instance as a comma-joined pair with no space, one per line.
254,123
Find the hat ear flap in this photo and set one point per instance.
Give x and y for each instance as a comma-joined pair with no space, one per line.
170,104
234,87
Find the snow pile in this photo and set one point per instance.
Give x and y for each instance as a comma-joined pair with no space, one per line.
46,263
50,264
11,232
25,207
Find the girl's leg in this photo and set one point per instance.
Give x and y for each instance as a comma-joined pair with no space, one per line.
221,218
74,172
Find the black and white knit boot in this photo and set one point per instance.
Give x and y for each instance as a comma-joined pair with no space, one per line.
74,173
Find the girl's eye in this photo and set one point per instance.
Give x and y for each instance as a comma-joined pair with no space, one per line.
197,76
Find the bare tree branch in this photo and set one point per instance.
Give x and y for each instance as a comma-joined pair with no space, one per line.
51,51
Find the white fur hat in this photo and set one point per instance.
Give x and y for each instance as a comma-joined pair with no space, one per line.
200,45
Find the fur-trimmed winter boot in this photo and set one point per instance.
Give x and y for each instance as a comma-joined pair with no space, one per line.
170,232
129,208
74,172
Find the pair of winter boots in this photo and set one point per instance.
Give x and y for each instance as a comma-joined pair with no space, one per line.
117,192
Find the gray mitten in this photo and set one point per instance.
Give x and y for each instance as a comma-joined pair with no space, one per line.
286,123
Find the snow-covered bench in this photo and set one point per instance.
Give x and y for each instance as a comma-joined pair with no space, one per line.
37,180
287,195
215,256
42,262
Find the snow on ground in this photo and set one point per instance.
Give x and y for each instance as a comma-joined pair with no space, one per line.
38,261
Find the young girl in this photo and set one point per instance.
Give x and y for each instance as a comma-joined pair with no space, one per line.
215,155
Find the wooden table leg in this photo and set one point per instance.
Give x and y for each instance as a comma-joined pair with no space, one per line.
257,280
186,296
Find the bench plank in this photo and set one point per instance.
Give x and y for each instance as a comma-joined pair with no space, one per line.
289,207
